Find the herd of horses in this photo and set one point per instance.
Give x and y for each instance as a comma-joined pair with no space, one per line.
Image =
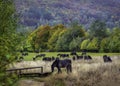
62,60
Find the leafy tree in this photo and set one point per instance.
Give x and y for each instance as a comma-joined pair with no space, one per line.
74,44
93,44
55,28
111,43
8,40
53,39
114,43
61,42
84,44
31,39
65,39
98,29
104,45
42,37
76,30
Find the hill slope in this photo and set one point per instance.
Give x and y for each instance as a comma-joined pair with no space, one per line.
37,12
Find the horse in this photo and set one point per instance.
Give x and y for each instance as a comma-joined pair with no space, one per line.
107,58
87,57
73,53
66,63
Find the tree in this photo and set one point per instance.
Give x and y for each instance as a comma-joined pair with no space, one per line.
61,42
98,29
65,39
93,44
114,43
74,44
8,40
84,44
111,43
31,39
42,38
104,45
53,39
76,30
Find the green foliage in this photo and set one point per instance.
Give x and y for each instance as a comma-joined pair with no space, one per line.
104,45
93,44
60,38
98,29
8,39
111,43
84,44
114,43
53,39
62,44
42,37
31,39
74,44
76,31
66,41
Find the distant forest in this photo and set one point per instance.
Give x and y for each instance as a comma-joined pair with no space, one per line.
33,13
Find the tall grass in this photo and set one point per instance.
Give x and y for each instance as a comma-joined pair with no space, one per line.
85,73
104,74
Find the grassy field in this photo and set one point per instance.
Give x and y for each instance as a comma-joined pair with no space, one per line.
84,73
50,54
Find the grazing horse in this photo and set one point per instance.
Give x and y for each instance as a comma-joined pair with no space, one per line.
107,59
73,53
24,54
87,57
66,63
79,57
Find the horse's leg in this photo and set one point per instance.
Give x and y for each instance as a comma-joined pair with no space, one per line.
59,70
67,67
70,68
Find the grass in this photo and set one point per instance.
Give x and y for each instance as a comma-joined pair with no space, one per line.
50,54
83,74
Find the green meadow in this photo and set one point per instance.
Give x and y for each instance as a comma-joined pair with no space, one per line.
50,54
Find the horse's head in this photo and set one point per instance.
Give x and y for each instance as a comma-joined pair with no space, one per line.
54,64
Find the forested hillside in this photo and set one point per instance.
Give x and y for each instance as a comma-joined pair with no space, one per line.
40,12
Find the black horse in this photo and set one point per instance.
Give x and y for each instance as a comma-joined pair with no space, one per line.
87,57
66,63
107,58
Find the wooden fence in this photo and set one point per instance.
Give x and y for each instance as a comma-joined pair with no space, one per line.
19,71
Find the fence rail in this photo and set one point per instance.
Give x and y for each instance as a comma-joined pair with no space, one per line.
19,71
